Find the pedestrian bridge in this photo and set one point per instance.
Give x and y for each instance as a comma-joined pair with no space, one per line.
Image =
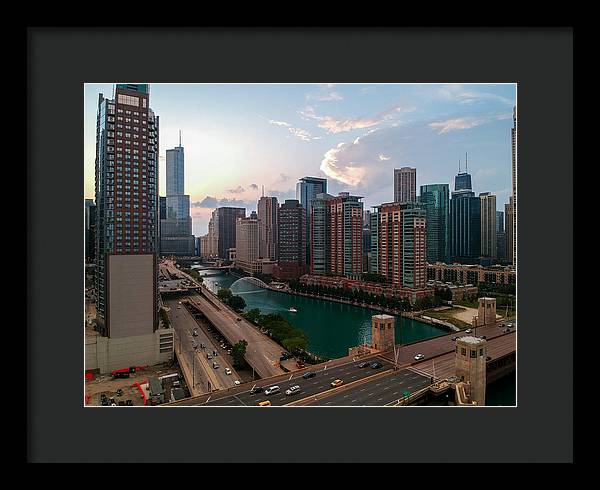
250,280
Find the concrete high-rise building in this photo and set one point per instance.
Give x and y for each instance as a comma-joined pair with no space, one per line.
500,236
213,235
267,216
90,231
246,242
306,191
226,229
405,185
470,366
336,235
513,254
435,199
176,229
414,247
366,245
345,215
509,217
465,227
320,242
374,252
291,249
489,234
400,249
126,280
499,221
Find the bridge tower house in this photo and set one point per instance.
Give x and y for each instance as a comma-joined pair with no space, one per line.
383,332
486,312
470,366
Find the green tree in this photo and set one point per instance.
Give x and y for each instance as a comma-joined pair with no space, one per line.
237,303
253,315
224,294
238,352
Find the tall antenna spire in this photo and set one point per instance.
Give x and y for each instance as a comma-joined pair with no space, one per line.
459,165
466,163
180,137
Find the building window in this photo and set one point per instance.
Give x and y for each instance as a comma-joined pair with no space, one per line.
473,354
463,351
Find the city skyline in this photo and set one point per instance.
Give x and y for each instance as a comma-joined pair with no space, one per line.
239,137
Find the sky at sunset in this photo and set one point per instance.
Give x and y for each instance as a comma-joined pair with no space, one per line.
238,138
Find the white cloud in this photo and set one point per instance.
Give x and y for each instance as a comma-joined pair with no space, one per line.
279,123
383,157
456,124
339,125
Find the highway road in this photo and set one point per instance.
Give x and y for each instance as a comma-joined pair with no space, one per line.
378,392
262,353
184,323
348,372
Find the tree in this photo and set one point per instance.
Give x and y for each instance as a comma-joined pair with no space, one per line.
237,303
253,315
224,294
238,352
295,344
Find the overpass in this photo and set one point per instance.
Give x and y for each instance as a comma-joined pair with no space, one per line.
262,353
400,380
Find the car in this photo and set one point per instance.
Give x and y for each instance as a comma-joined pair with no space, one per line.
103,397
418,357
179,307
215,365
113,404
256,389
104,403
453,339
483,337
488,358
119,392
468,330
293,390
376,365
264,403
507,330
272,389
195,333
112,399
227,371
238,319
236,382
202,346
364,364
309,374
337,382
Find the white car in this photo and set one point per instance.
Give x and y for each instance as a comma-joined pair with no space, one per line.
236,382
468,330
418,357
227,371
293,390
272,389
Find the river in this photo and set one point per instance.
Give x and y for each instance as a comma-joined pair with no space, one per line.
334,327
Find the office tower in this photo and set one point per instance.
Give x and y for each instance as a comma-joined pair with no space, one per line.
320,242
405,185
246,242
306,191
465,227
291,249
510,230
267,216
414,247
176,229
401,249
213,235
90,230
462,181
500,236
345,214
367,219
162,207
374,255
436,201
513,254
366,245
488,225
499,221
126,282
226,229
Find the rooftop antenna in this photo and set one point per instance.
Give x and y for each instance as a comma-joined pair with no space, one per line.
466,163
459,165
180,138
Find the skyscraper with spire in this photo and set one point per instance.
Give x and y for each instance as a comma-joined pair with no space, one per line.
176,230
462,181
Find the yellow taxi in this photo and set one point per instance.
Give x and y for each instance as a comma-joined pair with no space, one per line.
336,383
266,403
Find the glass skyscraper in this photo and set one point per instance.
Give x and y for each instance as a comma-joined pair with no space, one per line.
435,199
306,191
465,227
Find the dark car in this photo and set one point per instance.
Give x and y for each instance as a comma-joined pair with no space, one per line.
103,397
309,374
488,358
256,389
119,392
483,337
376,365
364,364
